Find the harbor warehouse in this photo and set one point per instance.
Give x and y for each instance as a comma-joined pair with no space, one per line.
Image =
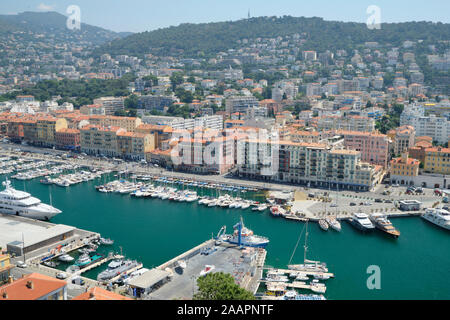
148,282
17,234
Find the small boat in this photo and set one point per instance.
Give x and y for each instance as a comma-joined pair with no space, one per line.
317,287
106,242
321,276
51,264
66,258
208,269
302,276
323,224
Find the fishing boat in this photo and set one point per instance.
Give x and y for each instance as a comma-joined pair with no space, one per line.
382,223
243,236
323,224
207,269
334,223
308,265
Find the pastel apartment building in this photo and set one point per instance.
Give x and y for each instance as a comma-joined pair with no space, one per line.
403,138
374,146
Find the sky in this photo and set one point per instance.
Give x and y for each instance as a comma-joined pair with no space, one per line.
147,15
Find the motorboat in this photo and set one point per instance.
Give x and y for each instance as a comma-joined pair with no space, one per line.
107,242
438,217
21,203
66,258
361,221
382,223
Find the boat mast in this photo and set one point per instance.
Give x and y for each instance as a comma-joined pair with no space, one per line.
305,246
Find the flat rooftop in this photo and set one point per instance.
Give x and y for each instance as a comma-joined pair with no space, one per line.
12,228
227,259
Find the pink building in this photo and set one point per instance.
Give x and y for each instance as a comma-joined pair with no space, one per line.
374,146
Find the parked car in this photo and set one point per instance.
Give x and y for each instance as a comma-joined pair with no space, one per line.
378,200
352,204
21,264
388,201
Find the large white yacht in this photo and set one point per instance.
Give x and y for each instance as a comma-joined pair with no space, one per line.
439,217
361,221
23,204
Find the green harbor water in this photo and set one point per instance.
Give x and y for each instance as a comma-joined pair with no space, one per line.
415,266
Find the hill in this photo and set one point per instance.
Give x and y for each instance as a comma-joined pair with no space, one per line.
210,38
54,24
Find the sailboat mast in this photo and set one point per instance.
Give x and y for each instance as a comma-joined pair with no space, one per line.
306,240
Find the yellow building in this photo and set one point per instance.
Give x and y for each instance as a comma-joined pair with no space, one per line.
128,123
405,166
437,160
46,127
133,145
5,267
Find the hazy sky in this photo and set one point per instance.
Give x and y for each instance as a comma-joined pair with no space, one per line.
143,15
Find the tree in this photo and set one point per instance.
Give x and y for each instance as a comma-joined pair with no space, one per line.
131,102
176,78
220,286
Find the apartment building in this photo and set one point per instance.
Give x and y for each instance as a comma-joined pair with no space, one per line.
374,146
127,123
156,102
67,138
208,154
97,140
240,104
46,127
111,104
402,138
437,160
134,146
404,170
310,164
349,123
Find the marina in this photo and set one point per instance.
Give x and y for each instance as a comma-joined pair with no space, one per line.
166,219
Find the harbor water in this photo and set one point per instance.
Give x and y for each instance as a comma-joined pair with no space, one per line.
152,231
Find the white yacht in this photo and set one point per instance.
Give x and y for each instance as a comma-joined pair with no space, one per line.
361,221
439,217
21,203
